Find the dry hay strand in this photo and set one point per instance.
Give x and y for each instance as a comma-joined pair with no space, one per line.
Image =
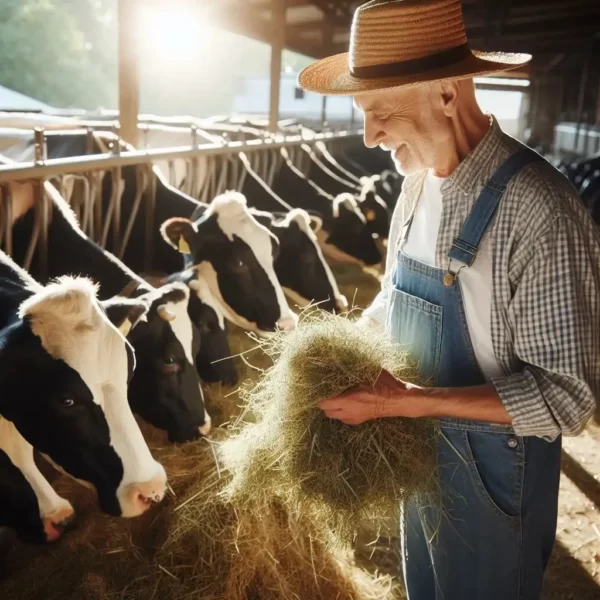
342,475
195,545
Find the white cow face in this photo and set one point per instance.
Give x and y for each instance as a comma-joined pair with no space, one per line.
64,369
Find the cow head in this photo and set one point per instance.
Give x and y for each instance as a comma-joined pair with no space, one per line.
374,209
349,238
234,254
165,389
300,265
64,369
213,362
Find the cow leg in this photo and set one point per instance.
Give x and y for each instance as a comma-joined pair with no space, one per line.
56,512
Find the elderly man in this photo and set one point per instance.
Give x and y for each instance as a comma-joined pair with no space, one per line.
492,281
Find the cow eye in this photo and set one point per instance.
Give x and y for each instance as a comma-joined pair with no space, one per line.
170,366
67,402
239,266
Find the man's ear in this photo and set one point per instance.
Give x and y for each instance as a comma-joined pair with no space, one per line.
449,96
125,313
179,233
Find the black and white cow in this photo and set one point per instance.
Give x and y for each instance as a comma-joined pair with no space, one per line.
64,368
300,265
344,236
229,233
375,210
235,255
165,389
29,505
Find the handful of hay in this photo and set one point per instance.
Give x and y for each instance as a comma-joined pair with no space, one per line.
339,474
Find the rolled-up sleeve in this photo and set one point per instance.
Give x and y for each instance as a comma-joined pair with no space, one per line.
554,320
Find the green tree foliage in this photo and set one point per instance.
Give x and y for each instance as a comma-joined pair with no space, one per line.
46,55
64,53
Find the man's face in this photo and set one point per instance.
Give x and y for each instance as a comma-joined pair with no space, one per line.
410,123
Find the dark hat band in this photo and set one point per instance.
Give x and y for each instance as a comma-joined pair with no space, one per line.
415,65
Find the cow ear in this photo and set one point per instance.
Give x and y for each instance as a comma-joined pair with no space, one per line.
344,201
179,233
124,313
316,223
264,218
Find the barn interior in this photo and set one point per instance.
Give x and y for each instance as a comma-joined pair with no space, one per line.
557,114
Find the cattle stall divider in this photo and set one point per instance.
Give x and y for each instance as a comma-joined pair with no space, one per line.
80,180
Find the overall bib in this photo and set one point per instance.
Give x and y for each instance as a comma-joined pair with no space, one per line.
499,491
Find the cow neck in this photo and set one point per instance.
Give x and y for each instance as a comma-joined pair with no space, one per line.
267,190
325,170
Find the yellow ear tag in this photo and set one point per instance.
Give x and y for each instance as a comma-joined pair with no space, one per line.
184,247
370,215
125,327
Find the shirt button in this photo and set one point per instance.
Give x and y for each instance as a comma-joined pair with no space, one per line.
513,442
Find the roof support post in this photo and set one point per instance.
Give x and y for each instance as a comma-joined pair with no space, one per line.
326,43
129,75
278,8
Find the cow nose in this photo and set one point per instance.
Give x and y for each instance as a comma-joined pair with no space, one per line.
205,429
59,521
138,497
287,323
342,303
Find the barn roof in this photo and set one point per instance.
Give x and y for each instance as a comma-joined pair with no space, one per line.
548,29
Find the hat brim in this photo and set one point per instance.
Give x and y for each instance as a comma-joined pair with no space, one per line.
331,76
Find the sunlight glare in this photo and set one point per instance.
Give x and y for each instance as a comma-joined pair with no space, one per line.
173,35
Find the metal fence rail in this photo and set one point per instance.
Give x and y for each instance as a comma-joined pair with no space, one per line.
44,169
208,172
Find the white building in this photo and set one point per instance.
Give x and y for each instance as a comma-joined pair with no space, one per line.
293,101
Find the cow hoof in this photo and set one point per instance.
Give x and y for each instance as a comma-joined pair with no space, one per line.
58,523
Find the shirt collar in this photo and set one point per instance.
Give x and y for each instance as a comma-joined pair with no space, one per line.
475,170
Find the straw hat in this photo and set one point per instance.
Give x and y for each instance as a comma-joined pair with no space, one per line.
397,43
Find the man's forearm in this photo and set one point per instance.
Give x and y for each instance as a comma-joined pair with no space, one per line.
477,403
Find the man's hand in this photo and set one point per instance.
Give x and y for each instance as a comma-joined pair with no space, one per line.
390,397
357,406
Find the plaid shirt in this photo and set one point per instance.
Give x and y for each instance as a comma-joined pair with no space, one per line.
545,315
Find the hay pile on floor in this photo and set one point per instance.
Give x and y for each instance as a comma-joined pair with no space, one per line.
195,545
339,474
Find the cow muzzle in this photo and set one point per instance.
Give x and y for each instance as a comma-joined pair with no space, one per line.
136,498
58,522
287,323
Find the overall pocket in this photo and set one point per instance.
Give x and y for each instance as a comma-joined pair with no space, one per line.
497,461
416,325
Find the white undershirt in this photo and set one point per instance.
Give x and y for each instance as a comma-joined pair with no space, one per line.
475,281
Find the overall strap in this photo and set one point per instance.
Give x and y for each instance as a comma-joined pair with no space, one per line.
465,246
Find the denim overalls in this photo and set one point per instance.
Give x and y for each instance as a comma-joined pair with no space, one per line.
494,536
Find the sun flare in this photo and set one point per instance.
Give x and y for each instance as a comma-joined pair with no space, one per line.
173,35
